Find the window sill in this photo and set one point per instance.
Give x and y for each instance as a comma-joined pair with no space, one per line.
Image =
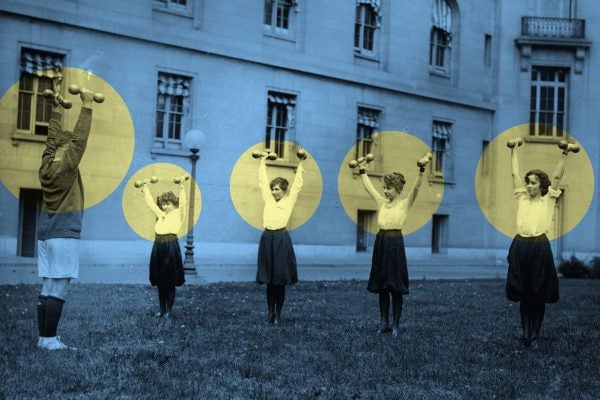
366,55
375,173
281,163
281,34
27,137
440,180
443,73
157,151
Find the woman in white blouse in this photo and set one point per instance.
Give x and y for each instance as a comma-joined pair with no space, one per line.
532,277
389,272
166,266
276,257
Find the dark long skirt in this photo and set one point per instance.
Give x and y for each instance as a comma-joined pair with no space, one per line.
388,267
531,271
166,266
276,259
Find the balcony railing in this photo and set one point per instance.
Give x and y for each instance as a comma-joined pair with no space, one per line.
564,28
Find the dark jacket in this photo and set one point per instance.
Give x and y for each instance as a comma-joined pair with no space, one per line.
62,188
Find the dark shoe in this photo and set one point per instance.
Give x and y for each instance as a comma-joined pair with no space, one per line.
270,319
384,329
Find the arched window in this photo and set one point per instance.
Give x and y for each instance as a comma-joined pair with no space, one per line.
365,27
441,37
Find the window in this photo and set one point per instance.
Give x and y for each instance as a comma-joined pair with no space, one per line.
440,142
485,158
278,14
441,37
280,122
172,110
30,204
38,69
548,102
367,125
487,50
365,219
439,234
366,24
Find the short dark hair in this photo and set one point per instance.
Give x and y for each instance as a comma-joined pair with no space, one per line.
168,197
282,182
395,180
542,177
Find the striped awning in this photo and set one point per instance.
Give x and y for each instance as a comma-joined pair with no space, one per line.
368,119
41,64
376,4
275,98
173,85
441,130
441,15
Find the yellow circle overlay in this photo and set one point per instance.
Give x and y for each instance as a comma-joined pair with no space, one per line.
246,196
394,151
494,187
109,149
139,216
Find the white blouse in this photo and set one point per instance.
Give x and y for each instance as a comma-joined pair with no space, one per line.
276,214
392,214
171,222
535,216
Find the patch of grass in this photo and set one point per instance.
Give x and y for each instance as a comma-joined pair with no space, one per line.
459,340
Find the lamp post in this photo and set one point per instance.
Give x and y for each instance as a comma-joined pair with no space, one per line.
193,141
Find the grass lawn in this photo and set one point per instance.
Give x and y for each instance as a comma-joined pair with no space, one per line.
459,341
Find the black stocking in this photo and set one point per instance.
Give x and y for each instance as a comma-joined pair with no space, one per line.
384,311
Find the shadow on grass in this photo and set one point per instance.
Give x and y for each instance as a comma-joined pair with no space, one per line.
459,340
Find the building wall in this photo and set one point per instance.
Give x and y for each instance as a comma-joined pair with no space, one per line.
233,61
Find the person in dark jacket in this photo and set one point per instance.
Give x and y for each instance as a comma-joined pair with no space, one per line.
59,224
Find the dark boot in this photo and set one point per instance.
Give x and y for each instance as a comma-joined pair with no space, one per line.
163,295
384,312
279,300
397,310
170,301
54,306
537,319
270,303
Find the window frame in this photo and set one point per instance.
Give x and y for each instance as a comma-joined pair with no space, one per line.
171,6
361,27
167,141
273,141
557,131
273,13
441,166
439,50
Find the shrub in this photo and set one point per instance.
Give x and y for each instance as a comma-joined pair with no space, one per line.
573,268
595,268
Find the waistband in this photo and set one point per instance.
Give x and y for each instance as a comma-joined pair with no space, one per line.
168,237
541,237
276,230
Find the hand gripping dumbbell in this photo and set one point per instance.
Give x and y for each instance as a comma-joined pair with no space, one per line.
301,153
142,182
259,154
361,162
180,179
514,143
423,161
75,90
66,104
566,147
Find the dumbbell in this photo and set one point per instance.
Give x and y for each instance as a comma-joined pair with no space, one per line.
514,142
66,104
567,147
182,178
361,161
301,154
75,90
422,163
259,154
141,182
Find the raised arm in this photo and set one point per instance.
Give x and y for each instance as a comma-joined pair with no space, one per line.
150,202
298,182
183,202
54,129
559,171
514,167
263,179
81,133
415,189
371,189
